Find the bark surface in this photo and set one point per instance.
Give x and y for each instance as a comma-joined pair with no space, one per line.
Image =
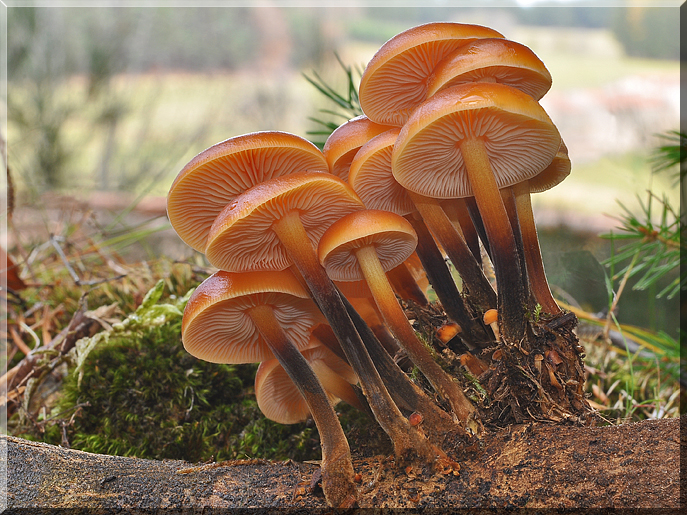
534,465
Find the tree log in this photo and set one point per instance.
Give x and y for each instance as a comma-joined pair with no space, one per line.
533,465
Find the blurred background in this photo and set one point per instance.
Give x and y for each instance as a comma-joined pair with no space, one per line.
106,105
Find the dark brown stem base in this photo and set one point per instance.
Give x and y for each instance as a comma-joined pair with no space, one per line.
337,469
442,282
475,285
511,208
404,392
540,379
457,211
408,443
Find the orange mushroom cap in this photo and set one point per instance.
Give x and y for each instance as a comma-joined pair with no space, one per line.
215,326
490,316
278,397
241,237
500,60
395,79
553,174
519,137
447,331
371,178
342,144
213,178
392,236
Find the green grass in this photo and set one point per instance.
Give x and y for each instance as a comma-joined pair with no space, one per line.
629,388
168,118
573,61
585,58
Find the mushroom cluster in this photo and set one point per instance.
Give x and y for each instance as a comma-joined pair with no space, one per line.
316,251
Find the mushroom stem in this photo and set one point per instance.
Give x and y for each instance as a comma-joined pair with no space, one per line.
511,293
478,224
324,333
457,211
533,259
404,392
337,468
478,288
406,440
400,327
405,285
511,209
335,384
443,284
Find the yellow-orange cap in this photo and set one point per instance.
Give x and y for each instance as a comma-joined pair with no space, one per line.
242,238
391,235
395,79
215,326
213,178
519,137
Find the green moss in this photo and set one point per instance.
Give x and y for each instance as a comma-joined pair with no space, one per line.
133,390
142,394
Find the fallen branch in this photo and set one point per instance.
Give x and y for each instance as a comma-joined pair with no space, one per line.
534,466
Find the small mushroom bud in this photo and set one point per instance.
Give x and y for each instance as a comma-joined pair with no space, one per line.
415,419
491,318
447,331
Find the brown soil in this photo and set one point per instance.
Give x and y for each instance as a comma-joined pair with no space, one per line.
534,465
